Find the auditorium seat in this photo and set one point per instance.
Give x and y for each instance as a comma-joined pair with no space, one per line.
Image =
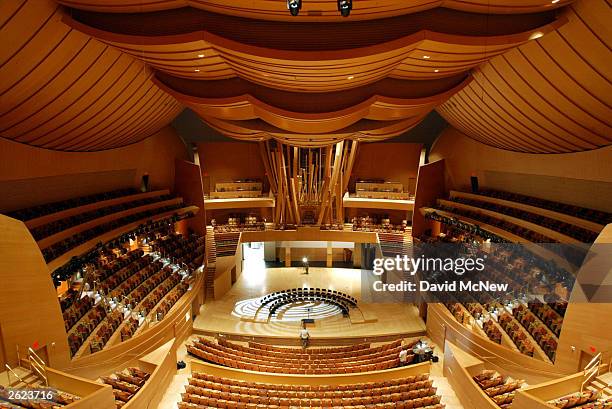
142,283
126,384
205,390
55,207
300,361
499,388
596,216
577,232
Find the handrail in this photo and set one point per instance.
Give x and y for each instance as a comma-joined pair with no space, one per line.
39,360
591,370
38,365
35,367
16,376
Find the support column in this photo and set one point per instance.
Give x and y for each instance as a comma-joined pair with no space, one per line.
330,256
287,256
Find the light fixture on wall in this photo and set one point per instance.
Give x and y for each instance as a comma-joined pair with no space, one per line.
345,7
294,6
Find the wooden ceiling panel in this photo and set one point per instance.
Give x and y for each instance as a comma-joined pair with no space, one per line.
552,95
312,113
421,55
61,89
316,10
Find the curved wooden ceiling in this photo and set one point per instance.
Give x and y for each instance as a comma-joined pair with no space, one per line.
237,100
410,51
61,89
388,65
552,95
316,10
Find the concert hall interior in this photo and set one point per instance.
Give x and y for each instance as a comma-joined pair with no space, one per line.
275,204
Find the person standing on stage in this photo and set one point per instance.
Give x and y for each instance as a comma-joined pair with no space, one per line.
304,337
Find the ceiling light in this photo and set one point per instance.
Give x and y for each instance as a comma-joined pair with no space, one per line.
201,55
536,35
426,57
345,7
436,70
197,70
350,77
294,6
555,1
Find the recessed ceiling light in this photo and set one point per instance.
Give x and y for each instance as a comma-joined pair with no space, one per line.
426,57
436,70
554,1
200,55
350,77
197,70
536,35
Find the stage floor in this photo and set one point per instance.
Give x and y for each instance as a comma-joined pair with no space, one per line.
224,315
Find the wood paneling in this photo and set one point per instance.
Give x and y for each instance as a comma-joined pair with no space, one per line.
581,178
62,90
316,10
311,113
551,95
31,176
188,185
245,163
258,52
27,319
429,187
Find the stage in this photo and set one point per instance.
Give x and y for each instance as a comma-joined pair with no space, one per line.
376,322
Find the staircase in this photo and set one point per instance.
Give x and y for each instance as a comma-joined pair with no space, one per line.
211,260
29,379
602,383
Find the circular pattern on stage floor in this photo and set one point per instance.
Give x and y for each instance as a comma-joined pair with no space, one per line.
252,309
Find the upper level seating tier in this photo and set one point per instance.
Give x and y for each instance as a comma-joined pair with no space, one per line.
596,216
49,208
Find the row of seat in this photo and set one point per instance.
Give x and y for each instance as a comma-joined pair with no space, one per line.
373,356
579,233
142,284
360,350
56,226
309,292
57,249
579,400
209,391
245,357
574,255
593,215
328,392
126,384
538,331
321,350
499,388
50,208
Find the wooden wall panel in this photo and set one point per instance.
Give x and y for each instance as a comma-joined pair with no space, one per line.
580,178
430,186
30,176
188,185
551,95
398,162
26,320
227,161
60,89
